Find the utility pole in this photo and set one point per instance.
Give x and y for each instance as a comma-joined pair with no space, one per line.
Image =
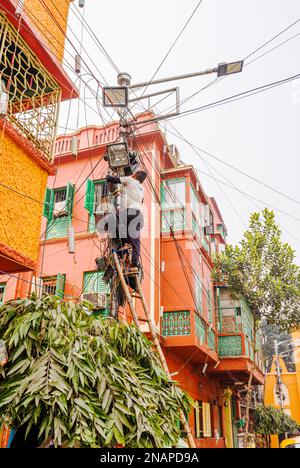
279,379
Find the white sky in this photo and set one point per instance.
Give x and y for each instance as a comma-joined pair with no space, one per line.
259,135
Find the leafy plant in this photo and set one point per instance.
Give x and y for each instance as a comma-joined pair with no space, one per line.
271,421
84,381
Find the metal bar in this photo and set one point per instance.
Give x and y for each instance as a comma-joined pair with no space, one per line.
159,93
144,84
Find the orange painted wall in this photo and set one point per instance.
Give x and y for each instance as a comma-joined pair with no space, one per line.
50,18
20,217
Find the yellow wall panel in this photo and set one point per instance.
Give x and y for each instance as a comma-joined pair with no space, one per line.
20,217
50,18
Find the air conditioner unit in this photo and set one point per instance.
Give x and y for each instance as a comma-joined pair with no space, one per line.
99,300
209,230
60,208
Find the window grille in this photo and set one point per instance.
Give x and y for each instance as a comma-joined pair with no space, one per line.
33,94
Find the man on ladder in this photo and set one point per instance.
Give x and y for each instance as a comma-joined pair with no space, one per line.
130,216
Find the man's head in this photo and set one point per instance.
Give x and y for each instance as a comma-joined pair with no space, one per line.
141,176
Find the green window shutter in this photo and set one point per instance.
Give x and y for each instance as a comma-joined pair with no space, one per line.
90,196
70,198
48,204
93,283
60,285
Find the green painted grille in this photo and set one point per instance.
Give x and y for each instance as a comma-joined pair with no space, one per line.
212,340
230,346
200,329
176,324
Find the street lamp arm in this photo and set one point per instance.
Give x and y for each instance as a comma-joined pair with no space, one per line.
209,71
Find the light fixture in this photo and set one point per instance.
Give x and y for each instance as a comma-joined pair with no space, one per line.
225,69
118,156
115,96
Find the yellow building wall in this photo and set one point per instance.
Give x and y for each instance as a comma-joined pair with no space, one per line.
20,217
50,18
291,381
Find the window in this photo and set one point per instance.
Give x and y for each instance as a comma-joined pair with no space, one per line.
195,204
58,209
209,303
198,416
206,413
203,427
54,285
33,95
174,194
174,203
2,292
97,200
198,293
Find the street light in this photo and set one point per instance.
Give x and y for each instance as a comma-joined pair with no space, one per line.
118,156
225,69
115,96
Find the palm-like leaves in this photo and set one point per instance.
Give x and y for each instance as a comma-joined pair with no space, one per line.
84,381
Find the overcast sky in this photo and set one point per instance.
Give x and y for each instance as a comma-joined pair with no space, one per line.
259,135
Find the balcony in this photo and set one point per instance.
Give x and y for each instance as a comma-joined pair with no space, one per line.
189,331
235,326
29,93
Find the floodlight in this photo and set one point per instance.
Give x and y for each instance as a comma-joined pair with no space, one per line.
225,69
115,97
118,156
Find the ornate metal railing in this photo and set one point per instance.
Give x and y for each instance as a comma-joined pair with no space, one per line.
200,329
230,346
176,324
32,94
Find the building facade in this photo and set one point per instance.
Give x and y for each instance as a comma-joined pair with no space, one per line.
205,335
33,83
290,387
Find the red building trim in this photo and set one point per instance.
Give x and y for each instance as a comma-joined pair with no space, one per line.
13,261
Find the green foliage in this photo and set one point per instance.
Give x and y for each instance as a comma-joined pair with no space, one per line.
271,421
84,381
262,269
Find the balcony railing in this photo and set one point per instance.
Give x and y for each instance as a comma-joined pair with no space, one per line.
191,327
33,95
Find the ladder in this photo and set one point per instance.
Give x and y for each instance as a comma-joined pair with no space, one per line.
152,328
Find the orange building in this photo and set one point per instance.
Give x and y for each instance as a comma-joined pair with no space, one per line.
32,85
205,335
290,387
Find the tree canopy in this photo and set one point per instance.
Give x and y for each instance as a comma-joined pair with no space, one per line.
82,380
271,421
262,269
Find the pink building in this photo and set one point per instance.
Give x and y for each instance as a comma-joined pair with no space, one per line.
207,357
